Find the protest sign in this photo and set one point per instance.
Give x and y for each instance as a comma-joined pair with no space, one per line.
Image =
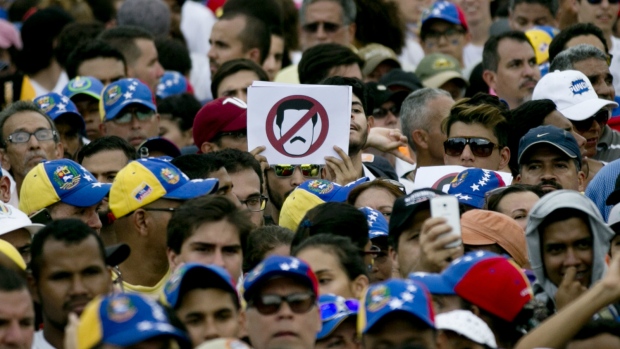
439,177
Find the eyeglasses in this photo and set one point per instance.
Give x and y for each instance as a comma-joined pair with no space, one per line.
380,113
596,2
161,209
255,203
126,117
23,136
328,27
330,310
307,170
479,146
450,34
609,57
300,303
602,116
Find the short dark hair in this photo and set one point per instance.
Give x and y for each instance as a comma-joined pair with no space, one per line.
103,10
234,66
69,231
349,257
197,166
319,60
124,38
255,34
11,281
551,5
263,240
210,208
182,108
359,89
90,50
173,55
558,44
493,200
490,55
107,143
235,160
296,104
270,11
18,107
73,35
559,215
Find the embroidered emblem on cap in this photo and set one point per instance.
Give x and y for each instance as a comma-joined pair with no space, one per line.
66,177
142,192
112,95
121,309
4,209
46,103
442,63
320,186
378,298
170,175
579,86
79,84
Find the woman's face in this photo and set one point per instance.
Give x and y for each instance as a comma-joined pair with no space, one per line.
329,272
378,199
517,206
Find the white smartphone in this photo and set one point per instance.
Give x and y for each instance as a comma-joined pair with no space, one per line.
447,206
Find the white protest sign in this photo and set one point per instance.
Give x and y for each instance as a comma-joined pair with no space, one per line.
298,124
439,177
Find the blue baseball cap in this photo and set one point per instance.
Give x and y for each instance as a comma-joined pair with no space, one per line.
377,224
289,267
433,282
446,11
83,85
199,276
124,320
60,107
334,311
561,139
122,93
171,83
395,295
472,184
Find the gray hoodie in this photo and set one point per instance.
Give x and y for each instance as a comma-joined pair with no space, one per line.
544,289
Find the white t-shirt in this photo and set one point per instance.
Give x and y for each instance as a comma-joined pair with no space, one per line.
200,77
614,68
197,20
39,90
472,55
39,341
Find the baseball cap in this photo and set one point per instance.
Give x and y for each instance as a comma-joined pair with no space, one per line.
468,325
171,83
158,144
116,254
436,69
377,224
552,135
57,106
123,320
122,93
86,85
12,219
279,266
395,295
398,79
334,310
375,54
470,186
9,36
224,343
310,194
195,275
540,37
446,11
572,93
225,114
407,206
143,181
12,253
60,180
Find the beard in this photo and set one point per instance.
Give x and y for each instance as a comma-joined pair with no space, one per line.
355,146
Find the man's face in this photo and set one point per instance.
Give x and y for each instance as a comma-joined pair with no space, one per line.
323,24
16,320
446,38
603,15
69,136
170,129
475,11
225,42
20,239
225,186
246,187
440,109
388,116
212,243
273,63
284,329
280,187
555,118
409,244
527,15
301,141
565,244
22,157
346,71
107,70
236,85
70,276
147,68
89,109
135,131
219,317
517,72
397,332
343,337
87,215
593,132
599,75
549,168
496,161
358,131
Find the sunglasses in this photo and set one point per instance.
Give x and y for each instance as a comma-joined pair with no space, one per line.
128,116
602,116
331,310
328,27
596,2
479,146
307,170
300,303
380,113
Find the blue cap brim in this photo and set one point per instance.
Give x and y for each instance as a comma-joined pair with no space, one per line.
88,195
331,325
93,94
377,234
198,272
294,275
112,113
374,320
435,284
475,201
193,189
132,336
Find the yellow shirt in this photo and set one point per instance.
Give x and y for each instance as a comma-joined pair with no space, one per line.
152,292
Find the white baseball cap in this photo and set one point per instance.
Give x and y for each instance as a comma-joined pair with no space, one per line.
572,93
468,325
12,219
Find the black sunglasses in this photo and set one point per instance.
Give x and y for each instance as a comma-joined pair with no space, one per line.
602,116
479,146
379,113
328,27
268,304
596,2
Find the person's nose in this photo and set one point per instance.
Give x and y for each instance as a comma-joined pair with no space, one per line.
78,287
218,258
235,200
467,154
135,123
581,140
94,222
321,34
13,335
33,142
297,178
548,174
160,70
571,259
210,331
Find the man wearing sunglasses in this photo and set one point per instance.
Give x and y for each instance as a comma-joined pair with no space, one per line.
282,179
282,309
128,112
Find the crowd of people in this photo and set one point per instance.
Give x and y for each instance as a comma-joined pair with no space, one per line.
133,213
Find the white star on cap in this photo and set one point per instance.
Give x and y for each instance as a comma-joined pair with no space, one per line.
411,288
97,185
395,303
475,187
168,83
482,182
88,178
465,197
62,107
285,266
132,88
145,326
406,296
128,95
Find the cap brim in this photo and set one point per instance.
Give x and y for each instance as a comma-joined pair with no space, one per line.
93,94
586,109
437,80
132,336
201,276
193,189
374,320
410,211
565,150
435,284
116,254
88,195
329,326
256,284
112,113
34,228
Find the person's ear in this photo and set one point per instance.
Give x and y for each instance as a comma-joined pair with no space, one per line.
5,189
395,267
60,150
173,258
504,158
420,138
581,177
254,55
207,147
352,29
490,78
103,129
371,121
359,285
139,221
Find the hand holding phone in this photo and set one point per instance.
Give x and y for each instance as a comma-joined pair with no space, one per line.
447,207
